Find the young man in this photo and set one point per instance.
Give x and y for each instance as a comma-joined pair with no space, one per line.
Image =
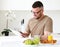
40,24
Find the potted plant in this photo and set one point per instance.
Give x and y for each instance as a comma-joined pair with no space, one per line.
6,32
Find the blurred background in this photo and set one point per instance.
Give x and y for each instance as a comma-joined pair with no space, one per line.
19,10
15,23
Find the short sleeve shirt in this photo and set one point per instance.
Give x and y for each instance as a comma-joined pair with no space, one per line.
38,27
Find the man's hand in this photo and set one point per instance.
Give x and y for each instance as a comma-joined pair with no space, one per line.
24,34
45,36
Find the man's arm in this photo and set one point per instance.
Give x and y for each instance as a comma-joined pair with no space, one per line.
48,29
24,34
45,36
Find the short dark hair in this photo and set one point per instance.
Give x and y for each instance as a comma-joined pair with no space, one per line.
37,4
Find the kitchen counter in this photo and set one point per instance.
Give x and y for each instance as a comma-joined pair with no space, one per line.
16,41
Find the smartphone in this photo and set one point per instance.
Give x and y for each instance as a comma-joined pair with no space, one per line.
21,32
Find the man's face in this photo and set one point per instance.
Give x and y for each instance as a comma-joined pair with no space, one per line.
37,12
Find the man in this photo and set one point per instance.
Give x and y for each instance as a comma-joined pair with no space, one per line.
40,24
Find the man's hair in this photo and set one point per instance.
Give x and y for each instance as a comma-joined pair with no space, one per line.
37,4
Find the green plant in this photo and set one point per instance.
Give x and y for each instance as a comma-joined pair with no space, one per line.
6,32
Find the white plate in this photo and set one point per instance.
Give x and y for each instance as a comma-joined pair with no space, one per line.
30,45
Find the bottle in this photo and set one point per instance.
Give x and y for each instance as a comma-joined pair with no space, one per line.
22,26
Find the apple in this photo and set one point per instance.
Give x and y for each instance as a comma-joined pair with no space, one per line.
36,40
28,42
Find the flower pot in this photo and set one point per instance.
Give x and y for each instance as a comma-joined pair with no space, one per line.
6,33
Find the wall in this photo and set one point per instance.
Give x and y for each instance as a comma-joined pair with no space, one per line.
26,4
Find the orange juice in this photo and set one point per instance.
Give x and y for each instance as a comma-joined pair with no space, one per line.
50,37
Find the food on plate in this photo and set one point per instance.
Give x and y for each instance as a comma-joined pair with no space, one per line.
37,40
34,41
49,42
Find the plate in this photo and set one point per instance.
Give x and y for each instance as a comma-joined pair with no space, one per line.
30,45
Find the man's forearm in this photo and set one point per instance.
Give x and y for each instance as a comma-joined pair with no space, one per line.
44,37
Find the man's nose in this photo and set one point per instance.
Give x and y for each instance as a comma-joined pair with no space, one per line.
35,13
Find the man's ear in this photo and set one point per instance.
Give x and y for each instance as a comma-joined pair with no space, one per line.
42,9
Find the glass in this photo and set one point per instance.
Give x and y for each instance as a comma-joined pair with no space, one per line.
36,12
50,37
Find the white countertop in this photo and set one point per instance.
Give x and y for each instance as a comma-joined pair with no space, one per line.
16,41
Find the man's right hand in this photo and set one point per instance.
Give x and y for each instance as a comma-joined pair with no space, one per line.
24,34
